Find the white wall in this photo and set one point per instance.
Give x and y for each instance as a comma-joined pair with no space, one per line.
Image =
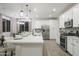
36,24
53,23
14,26
54,29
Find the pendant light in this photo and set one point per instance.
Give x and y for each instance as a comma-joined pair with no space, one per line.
27,16
24,15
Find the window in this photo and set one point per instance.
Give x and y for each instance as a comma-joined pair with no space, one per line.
3,23
24,27
6,25
21,27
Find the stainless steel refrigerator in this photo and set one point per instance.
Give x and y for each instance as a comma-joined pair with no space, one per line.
45,32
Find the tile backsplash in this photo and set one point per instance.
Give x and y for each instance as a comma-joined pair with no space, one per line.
67,30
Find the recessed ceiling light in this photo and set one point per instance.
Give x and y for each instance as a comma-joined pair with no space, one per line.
50,15
36,15
34,9
54,9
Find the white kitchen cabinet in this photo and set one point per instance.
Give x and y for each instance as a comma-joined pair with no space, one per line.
77,50
69,45
76,16
72,13
68,15
61,21
76,46
73,45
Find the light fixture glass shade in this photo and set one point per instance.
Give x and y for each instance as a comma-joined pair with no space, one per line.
50,15
54,9
21,14
23,17
20,22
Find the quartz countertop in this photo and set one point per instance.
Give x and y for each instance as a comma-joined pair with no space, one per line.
28,39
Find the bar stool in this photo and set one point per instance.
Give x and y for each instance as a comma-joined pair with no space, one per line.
5,49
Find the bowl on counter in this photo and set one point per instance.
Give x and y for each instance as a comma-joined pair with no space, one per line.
18,37
25,34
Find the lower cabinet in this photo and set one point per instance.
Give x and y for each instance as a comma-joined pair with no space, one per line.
76,47
77,50
69,45
73,45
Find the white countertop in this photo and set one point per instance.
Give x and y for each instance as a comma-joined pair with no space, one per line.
28,39
73,36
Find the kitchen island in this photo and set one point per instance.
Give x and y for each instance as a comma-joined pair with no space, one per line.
27,46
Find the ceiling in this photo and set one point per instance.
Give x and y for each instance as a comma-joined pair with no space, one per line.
42,10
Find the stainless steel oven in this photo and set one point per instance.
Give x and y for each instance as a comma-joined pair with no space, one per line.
63,42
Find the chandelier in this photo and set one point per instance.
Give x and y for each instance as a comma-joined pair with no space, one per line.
24,15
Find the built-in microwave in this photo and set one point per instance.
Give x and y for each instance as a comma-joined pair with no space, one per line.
69,24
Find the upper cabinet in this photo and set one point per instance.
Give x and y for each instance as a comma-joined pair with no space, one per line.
68,15
72,13
61,21
76,16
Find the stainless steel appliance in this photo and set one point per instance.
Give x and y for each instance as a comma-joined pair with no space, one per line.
63,42
68,24
45,32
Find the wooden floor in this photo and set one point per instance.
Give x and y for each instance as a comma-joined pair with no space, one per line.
50,48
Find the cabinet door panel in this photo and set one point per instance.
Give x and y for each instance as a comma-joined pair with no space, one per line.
61,21
76,15
77,50
76,47
69,45
76,18
73,45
